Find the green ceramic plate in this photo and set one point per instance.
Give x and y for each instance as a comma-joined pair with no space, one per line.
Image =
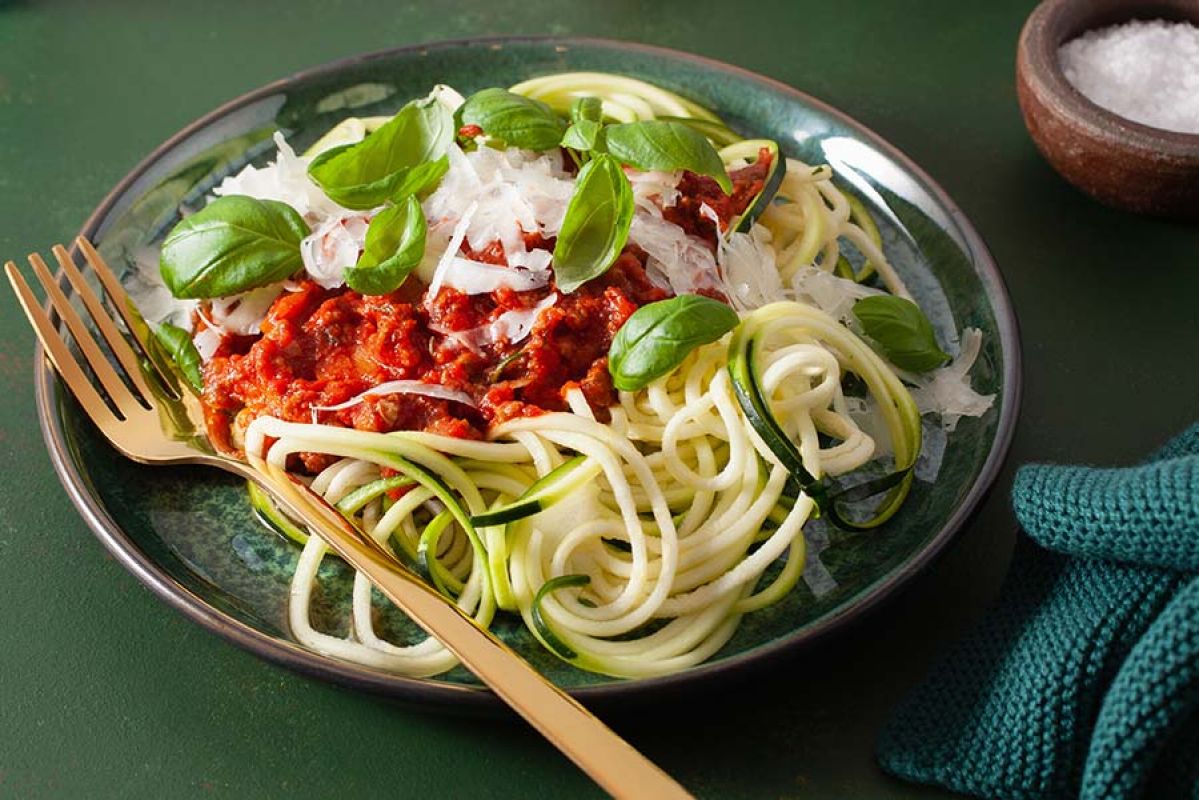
189,534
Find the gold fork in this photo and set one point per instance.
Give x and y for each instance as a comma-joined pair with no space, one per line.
149,418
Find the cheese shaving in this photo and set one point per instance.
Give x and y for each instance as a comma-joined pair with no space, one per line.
684,263
833,295
285,179
515,193
333,246
947,390
748,267
401,387
242,314
207,341
477,277
654,190
451,251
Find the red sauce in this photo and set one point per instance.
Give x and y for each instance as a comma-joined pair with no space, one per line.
321,347
695,191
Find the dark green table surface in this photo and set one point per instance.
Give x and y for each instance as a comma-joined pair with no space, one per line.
105,692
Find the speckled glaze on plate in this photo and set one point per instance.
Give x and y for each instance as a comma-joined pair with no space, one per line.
188,533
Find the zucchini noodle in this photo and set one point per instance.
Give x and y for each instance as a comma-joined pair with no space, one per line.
630,540
809,217
624,99
688,512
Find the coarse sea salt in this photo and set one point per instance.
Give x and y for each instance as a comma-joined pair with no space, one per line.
1145,71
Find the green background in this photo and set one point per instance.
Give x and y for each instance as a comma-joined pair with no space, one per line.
105,692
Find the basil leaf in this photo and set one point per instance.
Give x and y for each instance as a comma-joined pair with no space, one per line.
586,116
234,244
395,243
596,225
901,331
180,349
419,179
589,108
658,336
404,156
517,120
667,146
581,135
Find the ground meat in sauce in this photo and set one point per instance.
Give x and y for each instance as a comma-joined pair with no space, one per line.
321,347
695,191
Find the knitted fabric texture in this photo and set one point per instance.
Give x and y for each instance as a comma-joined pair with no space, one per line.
1086,668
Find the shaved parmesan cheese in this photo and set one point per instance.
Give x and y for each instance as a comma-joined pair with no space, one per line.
286,180
151,296
402,387
947,390
467,339
335,245
515,192
832,295
707,212
476,277
207,341
451,251
682,262
243,313
747,263
535,259
447,96
515,325
867,415
654,190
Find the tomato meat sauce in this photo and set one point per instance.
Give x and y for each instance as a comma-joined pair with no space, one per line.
322,347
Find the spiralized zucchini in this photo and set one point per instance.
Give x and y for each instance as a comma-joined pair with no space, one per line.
674,537
678,508
810,217
624,99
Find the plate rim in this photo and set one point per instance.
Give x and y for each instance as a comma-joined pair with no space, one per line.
429,691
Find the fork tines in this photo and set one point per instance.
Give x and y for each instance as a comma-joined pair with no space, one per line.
126,387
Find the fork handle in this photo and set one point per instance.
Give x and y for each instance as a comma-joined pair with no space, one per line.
610,761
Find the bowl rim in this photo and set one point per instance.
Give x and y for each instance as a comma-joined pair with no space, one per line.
464,697
1040,68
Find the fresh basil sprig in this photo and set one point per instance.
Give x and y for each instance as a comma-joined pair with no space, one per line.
668,146
596,225
405,156
658,336
178,345
517,120
588,108
395,243
234,244
901,331
586,121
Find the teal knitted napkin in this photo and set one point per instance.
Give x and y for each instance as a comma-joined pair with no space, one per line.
1082,680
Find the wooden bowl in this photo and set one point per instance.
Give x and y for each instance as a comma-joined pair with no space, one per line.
1119,162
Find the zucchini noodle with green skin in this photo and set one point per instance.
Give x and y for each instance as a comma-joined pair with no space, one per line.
631,547
810,218
688,512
